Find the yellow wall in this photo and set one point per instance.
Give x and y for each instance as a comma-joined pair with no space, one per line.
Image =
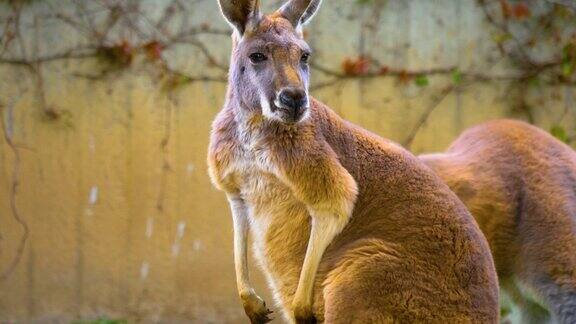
123,226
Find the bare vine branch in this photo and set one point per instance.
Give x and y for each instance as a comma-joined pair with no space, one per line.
8,132
426,115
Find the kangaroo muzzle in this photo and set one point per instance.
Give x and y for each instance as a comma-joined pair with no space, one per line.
293,102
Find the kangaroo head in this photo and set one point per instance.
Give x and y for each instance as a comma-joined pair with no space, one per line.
269,70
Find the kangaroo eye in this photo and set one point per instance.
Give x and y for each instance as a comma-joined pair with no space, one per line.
257,57
305,57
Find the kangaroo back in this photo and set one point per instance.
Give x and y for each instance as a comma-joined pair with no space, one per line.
520,185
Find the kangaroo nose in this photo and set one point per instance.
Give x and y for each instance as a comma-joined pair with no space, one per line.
293,98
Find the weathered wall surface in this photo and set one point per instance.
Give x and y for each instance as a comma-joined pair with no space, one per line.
113,193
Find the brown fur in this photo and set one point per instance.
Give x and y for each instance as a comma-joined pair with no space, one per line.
407,249
520,184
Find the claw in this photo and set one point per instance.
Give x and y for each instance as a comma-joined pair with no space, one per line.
261,317
256,308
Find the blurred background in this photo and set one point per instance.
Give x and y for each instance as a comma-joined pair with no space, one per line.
106,209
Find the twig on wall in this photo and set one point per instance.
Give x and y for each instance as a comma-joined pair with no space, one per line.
164,147
78,53
426,115
8,131
567,3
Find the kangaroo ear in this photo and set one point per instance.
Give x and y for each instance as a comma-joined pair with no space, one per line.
240,13
299,12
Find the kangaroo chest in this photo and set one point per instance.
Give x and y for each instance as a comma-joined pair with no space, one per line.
279,224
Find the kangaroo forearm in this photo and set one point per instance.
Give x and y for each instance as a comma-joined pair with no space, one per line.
240,222
329,192
253,305
324,228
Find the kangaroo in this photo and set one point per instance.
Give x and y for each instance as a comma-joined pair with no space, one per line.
520,184
347,227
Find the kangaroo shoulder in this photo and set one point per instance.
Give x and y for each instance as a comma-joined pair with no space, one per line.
223,149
